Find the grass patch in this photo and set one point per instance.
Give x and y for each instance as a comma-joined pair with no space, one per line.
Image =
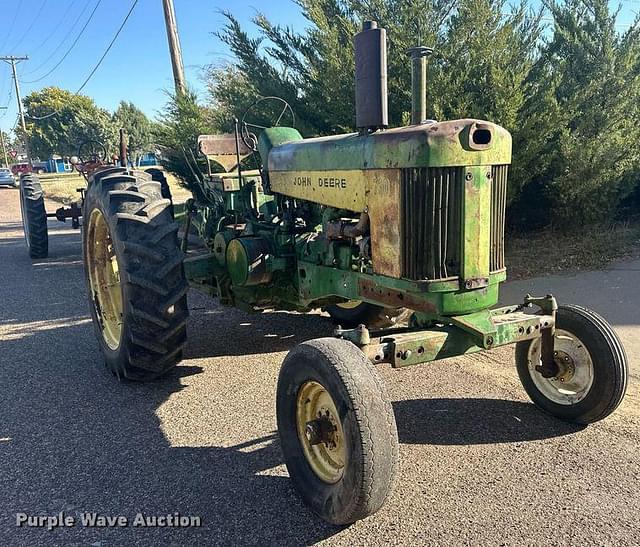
551,251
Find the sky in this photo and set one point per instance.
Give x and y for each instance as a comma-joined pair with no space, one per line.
137,68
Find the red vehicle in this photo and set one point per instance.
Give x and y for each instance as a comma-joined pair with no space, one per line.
18,168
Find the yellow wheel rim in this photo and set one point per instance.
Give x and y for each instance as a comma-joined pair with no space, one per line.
104,279
320,432
349,305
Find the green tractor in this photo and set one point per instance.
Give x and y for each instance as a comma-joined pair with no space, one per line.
365,225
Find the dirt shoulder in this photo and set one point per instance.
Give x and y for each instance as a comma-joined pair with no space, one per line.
588,248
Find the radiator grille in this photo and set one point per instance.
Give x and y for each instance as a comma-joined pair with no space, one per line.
432,221
498,207
432,205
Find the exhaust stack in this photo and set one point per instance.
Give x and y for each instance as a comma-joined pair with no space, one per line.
371,77
419,56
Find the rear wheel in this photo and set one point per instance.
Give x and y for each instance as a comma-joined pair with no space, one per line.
591,368
352,313
337,430
34,216
134,273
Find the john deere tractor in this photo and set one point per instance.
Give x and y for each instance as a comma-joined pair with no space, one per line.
364,225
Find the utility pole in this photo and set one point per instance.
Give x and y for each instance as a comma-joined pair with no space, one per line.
4,150
13,61
174,46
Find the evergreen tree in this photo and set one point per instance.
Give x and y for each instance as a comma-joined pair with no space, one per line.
578,155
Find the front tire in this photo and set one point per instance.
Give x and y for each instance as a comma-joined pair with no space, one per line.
592,368
134,274
337,430
34,216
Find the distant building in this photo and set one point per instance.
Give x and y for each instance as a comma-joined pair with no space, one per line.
145,160
58,164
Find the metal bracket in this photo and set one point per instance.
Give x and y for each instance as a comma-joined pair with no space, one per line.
549,306
359,336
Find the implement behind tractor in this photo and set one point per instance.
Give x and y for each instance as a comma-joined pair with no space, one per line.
367,225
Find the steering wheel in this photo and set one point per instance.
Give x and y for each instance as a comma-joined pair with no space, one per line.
92,151
248,137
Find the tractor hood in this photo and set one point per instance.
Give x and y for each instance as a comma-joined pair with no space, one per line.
464,142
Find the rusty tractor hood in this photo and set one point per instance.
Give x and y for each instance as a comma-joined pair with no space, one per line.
458,142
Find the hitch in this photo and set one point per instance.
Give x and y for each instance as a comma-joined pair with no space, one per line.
74,212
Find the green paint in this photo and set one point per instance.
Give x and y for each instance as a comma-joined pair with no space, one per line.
476,223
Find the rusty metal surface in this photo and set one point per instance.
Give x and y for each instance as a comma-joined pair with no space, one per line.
442,144
384,203
222,149
393,298
431,223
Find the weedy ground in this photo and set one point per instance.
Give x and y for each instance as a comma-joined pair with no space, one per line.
546,252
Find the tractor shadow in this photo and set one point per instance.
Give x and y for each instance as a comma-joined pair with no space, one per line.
472,421
216,330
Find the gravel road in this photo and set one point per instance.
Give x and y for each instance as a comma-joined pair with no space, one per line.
478,463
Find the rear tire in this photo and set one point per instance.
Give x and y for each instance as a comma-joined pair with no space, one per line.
348,474
129,228
592,368
159,176
34,216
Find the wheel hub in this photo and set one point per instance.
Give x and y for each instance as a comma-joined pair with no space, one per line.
566,366
574,377
104,279
320,432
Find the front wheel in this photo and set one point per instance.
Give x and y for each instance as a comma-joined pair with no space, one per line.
592,369
337,430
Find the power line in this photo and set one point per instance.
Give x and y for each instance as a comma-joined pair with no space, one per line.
12,25
64,39
34,20
55,27
124,22
9,97
70,47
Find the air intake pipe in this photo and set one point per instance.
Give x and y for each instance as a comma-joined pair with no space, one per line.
371,77
418,57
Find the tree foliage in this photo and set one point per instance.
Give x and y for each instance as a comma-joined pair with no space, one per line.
577,146
77,118
181,122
